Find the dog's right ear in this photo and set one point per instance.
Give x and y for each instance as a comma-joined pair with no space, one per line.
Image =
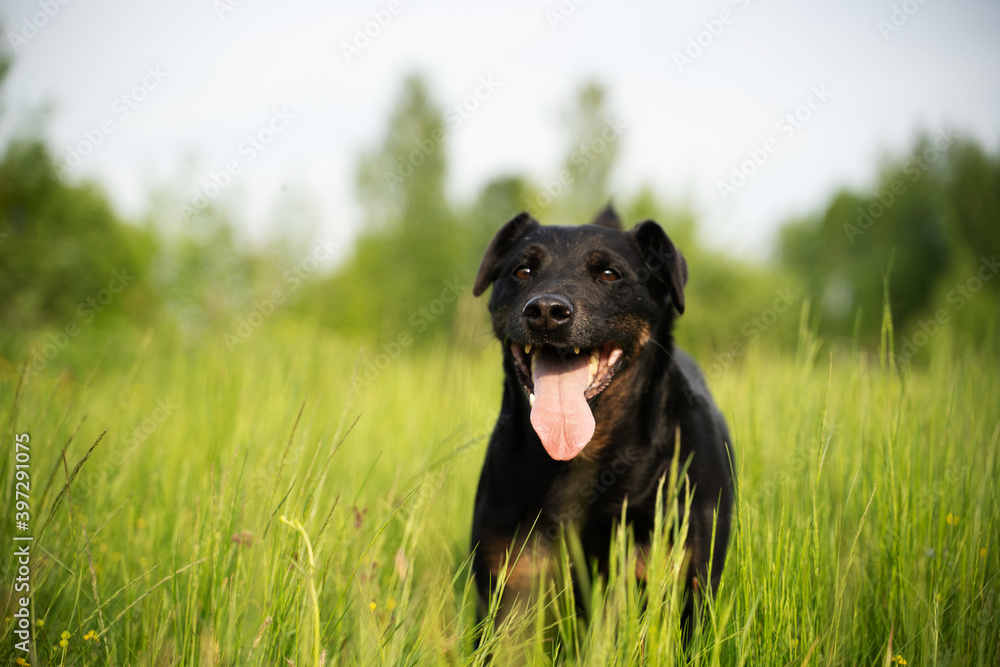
496,252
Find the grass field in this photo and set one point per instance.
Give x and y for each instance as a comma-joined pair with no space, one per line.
867,522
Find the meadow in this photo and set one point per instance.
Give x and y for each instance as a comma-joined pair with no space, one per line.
196,505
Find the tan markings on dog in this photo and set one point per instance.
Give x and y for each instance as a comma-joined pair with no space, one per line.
637,330
523,559
520,564
641,557
614,402
645,334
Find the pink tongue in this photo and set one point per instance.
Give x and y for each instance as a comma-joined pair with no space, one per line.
561,417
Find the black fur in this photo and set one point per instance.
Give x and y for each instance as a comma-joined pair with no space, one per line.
559,288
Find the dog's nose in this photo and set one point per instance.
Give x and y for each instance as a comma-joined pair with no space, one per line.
548,312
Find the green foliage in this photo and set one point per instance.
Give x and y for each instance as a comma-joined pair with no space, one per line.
972,187
411,249
593,136
937,213
206,276
61,245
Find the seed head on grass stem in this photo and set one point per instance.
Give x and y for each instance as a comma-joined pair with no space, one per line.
314,599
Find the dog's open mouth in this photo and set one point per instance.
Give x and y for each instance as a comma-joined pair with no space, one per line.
559,382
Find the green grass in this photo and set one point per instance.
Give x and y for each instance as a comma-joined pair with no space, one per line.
867,518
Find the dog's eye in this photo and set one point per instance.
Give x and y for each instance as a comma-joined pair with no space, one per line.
609,275
522,273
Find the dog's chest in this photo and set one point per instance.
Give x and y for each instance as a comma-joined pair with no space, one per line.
570,499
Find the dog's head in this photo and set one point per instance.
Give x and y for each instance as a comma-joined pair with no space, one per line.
574,306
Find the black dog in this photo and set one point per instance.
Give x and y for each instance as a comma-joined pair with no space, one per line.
594,398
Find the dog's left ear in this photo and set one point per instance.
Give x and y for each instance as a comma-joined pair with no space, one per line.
608,218
664,260
496,251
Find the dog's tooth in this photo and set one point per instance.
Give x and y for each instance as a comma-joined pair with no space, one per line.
527,349
531,399
576,350
534,362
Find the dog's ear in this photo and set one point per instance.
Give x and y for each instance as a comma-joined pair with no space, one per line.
608,218
662,259
496,251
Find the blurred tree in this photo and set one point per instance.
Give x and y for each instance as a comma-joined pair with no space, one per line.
973,190
207,276
937,211
64,256
5,63
582,187
406,270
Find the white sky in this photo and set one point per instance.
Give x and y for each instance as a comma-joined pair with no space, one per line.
686,130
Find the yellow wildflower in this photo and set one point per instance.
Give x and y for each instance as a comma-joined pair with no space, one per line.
899,660
40,622
951,519
22,662
372,605
391,604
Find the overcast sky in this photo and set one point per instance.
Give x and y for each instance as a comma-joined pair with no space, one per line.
200,77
